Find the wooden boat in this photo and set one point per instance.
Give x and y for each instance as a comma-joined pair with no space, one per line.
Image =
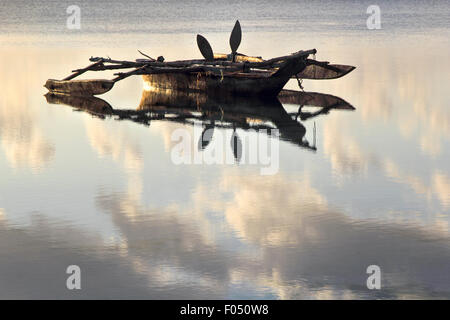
234,73
235,83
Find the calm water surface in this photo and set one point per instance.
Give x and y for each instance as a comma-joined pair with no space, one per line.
105,194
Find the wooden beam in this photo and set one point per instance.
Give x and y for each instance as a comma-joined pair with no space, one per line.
81,71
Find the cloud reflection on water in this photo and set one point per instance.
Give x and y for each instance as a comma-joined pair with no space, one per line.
238,234
24,144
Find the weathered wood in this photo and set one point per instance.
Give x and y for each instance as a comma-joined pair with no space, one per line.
81,71
182,63
103,67
194,69
121,62
79,87
123,75
145,55
316,70
244,84
238,58
290,67
246,76
238,83
270,62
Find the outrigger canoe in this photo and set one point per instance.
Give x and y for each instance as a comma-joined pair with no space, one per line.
250,83
234,73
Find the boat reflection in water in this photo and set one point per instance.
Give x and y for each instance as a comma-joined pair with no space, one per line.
229,112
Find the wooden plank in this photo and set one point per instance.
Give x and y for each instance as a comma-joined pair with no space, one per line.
238,58
81,71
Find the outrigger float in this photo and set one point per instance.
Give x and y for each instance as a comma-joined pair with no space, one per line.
235,73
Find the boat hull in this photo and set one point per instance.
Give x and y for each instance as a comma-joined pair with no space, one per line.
237,84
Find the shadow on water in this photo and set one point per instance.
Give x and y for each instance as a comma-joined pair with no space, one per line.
227,112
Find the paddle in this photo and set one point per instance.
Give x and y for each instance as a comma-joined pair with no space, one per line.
205,48
235,41
235,38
